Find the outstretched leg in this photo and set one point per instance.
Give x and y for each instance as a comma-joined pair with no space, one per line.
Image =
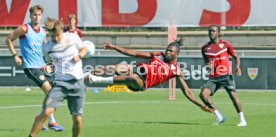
40,120
134,82
205,97
236,102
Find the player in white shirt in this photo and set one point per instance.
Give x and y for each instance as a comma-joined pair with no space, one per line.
65,50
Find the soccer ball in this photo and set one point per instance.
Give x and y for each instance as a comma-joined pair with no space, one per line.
90,48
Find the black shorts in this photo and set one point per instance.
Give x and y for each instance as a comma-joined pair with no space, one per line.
227,81
140,71
38,76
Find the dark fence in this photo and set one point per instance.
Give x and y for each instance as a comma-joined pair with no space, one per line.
257,73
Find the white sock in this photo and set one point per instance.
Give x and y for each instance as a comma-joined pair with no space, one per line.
218,115
241,116
99,79
51,119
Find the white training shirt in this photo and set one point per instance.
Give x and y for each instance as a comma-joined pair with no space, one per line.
62,54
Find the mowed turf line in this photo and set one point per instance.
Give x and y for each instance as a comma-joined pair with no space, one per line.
145,114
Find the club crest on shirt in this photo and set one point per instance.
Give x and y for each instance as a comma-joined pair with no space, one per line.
173,68
252,73
221,45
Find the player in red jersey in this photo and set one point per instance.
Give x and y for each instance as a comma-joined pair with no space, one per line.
160,68
216,55
72,28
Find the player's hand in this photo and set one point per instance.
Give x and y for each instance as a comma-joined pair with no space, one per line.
109,46
18,60
207,109
76,58
238,71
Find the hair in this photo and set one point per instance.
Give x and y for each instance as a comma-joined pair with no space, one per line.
72,16
35,7
53,25
216,26
177,43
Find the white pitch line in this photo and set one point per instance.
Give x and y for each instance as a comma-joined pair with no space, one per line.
87,103
140,102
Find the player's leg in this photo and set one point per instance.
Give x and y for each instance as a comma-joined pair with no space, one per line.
133,81
44,81
77,125
208,89
50,104
76,106
229,85
40,120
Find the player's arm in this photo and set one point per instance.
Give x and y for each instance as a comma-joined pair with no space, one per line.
129,52
205,59
237,64
235,57
189,94
82,49
9,41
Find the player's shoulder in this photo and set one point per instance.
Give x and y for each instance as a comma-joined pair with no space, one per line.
78,30
48,45
224,41
70,35
205,45
158,53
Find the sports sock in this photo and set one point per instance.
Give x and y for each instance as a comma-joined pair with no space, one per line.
51,119
241,116
99,79
218,115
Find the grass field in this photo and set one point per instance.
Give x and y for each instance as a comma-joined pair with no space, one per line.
145,114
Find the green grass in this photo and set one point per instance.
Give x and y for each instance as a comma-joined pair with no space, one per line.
145,114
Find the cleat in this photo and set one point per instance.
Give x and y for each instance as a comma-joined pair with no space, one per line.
55,127
242,124
218,122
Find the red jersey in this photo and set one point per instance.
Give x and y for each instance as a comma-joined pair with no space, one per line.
158,71
76,31
218,56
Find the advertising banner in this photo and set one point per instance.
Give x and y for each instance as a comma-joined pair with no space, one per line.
145,13
257,73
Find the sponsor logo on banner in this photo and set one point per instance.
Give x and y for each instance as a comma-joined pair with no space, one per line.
252,73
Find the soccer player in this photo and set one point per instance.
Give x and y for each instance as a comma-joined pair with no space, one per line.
31,38
65,50
72,28
161,67
216,55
